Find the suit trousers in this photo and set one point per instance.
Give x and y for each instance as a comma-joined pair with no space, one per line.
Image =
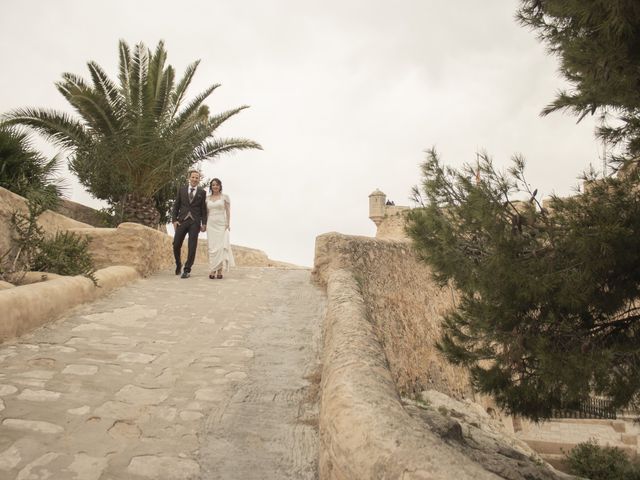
193,229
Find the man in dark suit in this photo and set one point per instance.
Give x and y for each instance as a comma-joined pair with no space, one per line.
189,216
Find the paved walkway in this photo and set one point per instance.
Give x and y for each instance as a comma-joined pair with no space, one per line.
169,379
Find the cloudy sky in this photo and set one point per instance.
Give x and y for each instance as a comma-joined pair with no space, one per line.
345,96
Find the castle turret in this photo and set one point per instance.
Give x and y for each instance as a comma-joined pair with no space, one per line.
377,201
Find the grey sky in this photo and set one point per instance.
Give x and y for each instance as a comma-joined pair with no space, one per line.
345,96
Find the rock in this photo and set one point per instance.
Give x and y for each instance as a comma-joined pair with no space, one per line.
469,428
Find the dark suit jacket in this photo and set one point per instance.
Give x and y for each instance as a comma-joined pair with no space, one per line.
197,207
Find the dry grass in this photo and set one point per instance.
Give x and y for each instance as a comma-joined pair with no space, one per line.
406,307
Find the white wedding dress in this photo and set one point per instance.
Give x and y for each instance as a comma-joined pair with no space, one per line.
220,255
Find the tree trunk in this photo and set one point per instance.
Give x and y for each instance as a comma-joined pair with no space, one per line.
140,209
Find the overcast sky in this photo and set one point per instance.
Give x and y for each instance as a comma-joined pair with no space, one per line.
345,96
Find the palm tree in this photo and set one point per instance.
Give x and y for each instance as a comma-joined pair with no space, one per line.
26,172
136,139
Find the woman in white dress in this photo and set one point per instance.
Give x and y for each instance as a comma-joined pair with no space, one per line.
218,227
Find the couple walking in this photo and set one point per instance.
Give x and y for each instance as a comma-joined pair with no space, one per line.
193,212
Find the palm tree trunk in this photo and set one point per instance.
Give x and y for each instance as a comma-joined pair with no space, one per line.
139,209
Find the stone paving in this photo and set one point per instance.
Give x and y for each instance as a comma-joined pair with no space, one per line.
168,379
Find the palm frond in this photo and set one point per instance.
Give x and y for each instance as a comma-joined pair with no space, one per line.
217,120
153,83
156,70
124,55
91,106
214,148
192,108
182,86
162,108
108,89
59,128
139,68
72,81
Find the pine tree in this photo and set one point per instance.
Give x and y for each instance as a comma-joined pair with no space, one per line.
598,45
550,297
549,312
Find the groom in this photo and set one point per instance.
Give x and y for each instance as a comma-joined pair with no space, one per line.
189,216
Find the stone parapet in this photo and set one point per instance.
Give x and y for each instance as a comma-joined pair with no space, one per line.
50,222
404,303
393,223
382,321
365,432
143,248
81,213
27,307
389,218
148,250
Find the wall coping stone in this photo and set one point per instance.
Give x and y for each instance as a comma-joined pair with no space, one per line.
27,307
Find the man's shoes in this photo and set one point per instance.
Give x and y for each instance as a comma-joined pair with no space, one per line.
178,268
185,275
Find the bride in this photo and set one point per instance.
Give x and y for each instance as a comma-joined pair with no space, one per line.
219,216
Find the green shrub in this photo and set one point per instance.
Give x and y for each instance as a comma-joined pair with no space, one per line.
592,461
107,217
65,254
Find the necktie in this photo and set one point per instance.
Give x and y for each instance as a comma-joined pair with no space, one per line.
191,194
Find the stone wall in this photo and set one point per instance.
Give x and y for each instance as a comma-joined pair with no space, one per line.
149,250
50,221
132,244
27,307
404,304
143,248
366,429
80,212
391,226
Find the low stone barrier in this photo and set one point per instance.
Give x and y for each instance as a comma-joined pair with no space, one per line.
27,307
378,293
148,250
403,302
143,248
50,222
365,432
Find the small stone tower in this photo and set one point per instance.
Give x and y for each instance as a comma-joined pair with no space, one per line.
390,219
377,201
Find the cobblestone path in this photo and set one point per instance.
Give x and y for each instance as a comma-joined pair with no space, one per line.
169,379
